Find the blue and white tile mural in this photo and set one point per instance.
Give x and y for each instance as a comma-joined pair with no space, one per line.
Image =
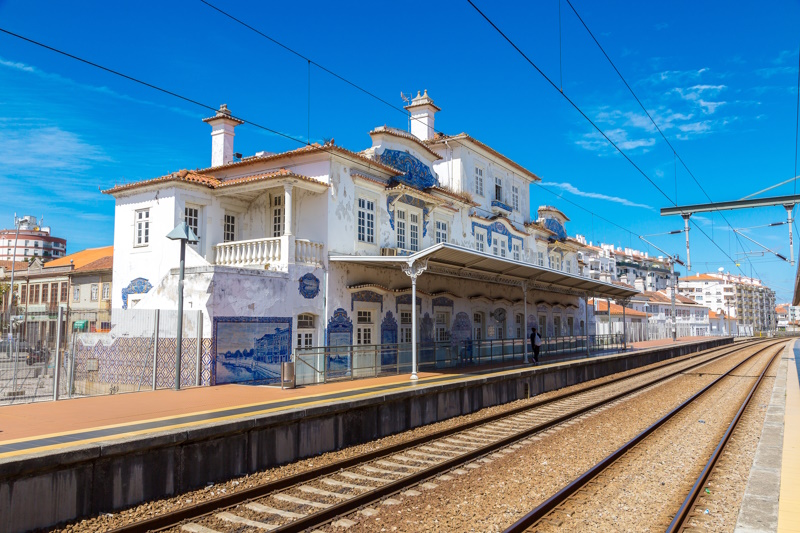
251,349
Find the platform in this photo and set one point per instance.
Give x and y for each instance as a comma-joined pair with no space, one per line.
37,427
90,455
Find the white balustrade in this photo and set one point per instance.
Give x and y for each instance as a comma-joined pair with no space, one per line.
253,252
308,252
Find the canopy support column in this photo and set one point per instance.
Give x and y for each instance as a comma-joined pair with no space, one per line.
586,323
413,269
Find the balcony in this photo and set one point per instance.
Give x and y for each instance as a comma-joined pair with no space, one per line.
272,253
500,208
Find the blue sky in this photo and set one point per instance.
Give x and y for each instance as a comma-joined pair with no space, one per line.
719,78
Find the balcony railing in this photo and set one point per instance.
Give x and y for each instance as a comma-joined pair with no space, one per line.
253,252
308,252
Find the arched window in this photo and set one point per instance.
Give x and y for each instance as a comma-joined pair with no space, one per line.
306,329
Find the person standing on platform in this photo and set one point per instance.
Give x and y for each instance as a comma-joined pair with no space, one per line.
536,344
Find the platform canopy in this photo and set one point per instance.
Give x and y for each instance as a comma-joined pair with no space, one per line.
446,259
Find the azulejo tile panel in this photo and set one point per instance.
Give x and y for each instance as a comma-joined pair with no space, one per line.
250,349
137,286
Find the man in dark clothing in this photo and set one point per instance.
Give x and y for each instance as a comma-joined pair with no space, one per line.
536,343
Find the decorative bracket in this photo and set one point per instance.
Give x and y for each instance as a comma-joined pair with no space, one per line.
413,269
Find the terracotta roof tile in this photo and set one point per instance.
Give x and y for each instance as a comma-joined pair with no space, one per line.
18,266
212,182
104,263
602,307
82,258
405,135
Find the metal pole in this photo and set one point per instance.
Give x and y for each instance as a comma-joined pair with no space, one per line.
71,383
525,322
624,329
586,323
56,364
686,230
156,325
11,292
789,209
179,340
414,327
674,288
608,301
197,379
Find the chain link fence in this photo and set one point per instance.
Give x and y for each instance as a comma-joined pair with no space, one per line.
68,354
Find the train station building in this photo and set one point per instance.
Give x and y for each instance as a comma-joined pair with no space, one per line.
421,238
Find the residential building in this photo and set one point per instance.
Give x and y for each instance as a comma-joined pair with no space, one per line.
79,283
787,317
419,233
738,296
34,240
721,324
633,267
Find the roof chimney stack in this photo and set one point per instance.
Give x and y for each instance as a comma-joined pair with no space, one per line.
422,111
222,135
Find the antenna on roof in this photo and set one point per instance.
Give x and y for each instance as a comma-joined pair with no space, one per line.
407,101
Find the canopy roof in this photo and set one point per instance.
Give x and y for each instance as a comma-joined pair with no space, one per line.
447,259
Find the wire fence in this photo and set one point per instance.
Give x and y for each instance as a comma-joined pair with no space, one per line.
64,354
330,363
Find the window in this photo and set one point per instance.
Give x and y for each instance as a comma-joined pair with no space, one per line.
106,291
364,327
23,295
76,293
44,293
555,262
442,324
498,189
542,325
479,181
441,231
516,252
400,225
63,292
305,330
54,293
229,230
570,326
405,327
35,297
105,326
480,242
515,197
477,326
557,325
414,232
540,258
568,265
366,220
499,245
191,215
94,292
277,215
519,321
142,236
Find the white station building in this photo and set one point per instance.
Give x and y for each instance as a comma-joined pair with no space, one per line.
331,246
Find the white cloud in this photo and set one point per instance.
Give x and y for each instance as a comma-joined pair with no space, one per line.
568,187
595,141
33,151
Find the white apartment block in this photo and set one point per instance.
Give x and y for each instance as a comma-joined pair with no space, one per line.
634,267
743,298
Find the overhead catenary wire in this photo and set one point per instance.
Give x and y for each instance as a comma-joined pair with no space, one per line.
585,116
675,154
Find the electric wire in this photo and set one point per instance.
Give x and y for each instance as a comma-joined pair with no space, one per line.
585,116
649,116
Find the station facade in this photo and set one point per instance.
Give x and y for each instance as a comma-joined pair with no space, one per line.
421,236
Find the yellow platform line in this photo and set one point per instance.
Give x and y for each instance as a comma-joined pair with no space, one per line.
789,503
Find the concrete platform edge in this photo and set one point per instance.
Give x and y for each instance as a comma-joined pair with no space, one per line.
759,509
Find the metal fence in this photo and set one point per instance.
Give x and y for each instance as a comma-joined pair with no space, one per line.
86,353
321,364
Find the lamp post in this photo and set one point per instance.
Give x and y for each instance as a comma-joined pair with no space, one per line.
182,233
11,289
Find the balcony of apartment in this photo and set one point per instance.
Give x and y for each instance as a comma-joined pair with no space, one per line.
272,241
499,207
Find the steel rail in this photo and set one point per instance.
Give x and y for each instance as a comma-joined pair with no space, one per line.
682,517
575,485
199,510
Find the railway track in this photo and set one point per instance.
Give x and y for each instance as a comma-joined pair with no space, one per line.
307,500
564,509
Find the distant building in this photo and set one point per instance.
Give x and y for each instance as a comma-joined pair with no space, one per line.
787,317
79,283
34,241
738,296
633,267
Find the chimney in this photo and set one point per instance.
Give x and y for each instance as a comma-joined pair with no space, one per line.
422,110
222,135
